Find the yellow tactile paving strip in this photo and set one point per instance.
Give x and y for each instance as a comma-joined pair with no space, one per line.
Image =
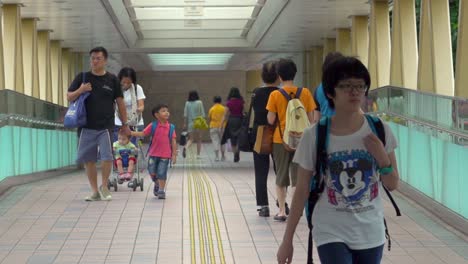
204,224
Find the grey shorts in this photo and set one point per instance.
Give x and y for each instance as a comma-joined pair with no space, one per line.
284,166
93,144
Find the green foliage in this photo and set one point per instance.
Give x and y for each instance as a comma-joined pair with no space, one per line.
454,9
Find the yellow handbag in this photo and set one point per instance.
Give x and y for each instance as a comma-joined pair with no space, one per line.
200,123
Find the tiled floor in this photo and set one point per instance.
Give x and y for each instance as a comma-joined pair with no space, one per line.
209,216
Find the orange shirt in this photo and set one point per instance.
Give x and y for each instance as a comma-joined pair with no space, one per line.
277,103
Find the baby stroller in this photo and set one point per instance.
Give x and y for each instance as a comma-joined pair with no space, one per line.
136,181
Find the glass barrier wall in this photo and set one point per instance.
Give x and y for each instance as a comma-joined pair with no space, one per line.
433,164
432,134
443,111
32,136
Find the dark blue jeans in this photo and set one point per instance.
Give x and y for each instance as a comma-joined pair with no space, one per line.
340,253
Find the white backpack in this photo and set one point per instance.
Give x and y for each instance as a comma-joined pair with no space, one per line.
296,120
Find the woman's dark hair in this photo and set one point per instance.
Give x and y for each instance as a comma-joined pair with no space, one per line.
234,93
217,99
269,74
158,107
193,96
286,69
99,49
331,57
341,69
127,72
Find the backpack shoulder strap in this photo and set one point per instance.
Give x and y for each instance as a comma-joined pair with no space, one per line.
171,132
285,94
298,93
377,127
154,125
323,130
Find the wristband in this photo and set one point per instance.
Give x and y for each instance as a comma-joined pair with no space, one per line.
385,170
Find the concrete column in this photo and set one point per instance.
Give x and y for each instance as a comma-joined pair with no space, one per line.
404,61
329,45
30,57
73,66
305,69
2,64
315,62
379,48
461,81
253,80
12,47
343,41
360,38
56,71
435,73
43,47
66,55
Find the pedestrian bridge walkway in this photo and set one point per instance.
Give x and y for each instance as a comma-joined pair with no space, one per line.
209,216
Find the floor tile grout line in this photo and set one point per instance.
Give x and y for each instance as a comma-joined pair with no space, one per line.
168,181
97,223
182,217
214,215
297,237
206,218
78,219
191,218
200,219
224,219
34,221
141,218
243,214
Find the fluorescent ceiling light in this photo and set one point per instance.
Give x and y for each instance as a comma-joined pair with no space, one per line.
178,13
162,3
190,59
181,24
191,34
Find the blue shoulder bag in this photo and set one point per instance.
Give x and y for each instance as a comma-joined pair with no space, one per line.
76,113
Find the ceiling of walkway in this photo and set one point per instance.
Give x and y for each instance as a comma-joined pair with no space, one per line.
224,34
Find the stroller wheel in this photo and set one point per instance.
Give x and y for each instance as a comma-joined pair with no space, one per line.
135,184
115,185
109,184
141,184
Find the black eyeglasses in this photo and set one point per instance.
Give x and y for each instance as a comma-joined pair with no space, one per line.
346,87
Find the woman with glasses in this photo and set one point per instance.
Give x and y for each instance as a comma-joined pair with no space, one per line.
348,224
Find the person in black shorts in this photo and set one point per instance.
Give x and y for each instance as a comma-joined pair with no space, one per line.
95,136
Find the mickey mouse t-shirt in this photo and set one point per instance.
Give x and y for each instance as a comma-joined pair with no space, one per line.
350,209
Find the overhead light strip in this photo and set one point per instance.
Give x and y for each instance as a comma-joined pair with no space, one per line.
190,59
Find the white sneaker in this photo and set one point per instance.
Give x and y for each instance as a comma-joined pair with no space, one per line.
105,194
216,159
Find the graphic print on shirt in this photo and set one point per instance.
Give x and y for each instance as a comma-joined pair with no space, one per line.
352,182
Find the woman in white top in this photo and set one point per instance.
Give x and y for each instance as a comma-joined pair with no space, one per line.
348,223
134,99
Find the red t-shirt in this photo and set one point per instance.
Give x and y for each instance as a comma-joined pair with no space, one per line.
160,145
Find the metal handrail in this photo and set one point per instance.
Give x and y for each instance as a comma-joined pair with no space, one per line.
388,87
5,120
426,124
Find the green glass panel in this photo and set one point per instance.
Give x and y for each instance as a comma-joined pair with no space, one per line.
29,150
434,166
